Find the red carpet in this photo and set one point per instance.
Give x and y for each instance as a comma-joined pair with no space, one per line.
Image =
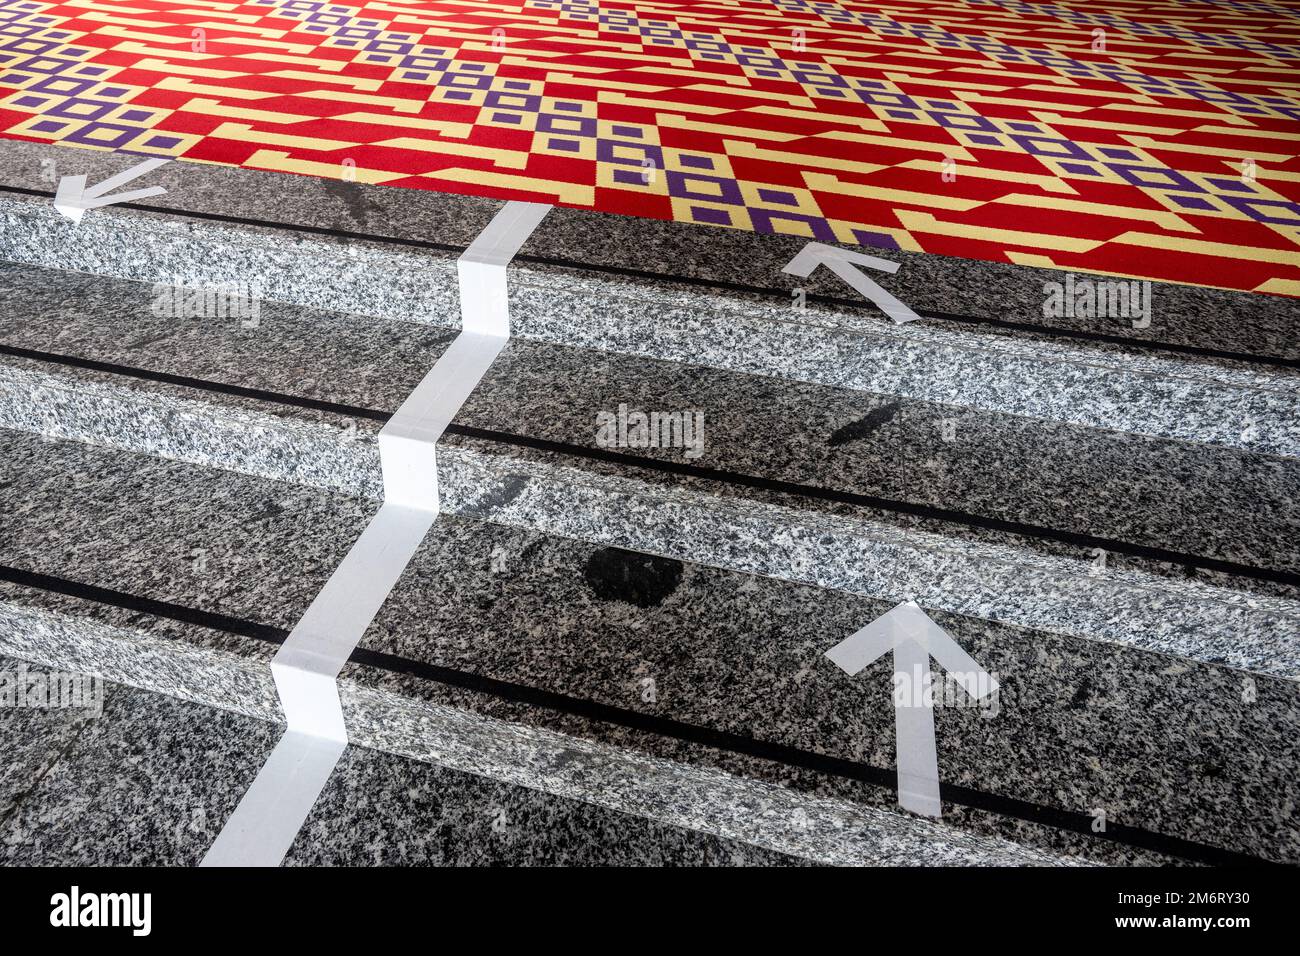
1157,140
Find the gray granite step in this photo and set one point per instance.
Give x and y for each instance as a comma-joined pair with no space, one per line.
1211,366
295,394
149,780
1079,531
184,580
693,696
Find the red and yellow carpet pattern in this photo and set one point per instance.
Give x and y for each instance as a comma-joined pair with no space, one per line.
1158,140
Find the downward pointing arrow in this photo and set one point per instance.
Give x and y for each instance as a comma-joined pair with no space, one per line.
914,639
73,197
842,263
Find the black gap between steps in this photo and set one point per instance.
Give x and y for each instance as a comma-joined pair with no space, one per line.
1051,817
1022,529
1148,345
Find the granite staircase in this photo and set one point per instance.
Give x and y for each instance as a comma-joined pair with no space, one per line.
1103,514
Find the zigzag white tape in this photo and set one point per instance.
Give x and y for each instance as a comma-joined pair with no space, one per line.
307,666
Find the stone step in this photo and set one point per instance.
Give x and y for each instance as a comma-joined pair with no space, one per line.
1078,531
144,779
693,696
1211,366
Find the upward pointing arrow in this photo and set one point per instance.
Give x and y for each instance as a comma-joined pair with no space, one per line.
73,197
914,639
842,263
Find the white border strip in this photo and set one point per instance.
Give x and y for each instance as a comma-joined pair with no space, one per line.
307,666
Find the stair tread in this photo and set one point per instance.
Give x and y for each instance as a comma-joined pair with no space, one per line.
554,638
71,802
213,541
952,470
326,357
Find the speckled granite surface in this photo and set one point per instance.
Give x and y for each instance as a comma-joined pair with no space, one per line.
1091,383
214,541
1193,751
89,360
1088,481
314,354
723,807
1170,780
1230,403
150,782
1203,500
1065,595
33,738
319,271
323,450
382,810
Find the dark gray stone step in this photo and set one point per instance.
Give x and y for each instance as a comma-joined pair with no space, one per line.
184,580
1226,372
695,696
150,780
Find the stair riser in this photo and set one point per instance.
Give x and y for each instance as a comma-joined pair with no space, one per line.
336,274
823,830
1061,595
1100,387
1257,411
341,456
70,639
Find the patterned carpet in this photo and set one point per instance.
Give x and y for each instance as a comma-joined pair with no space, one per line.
1158,140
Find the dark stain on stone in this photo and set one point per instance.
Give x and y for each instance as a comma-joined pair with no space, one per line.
563,759
1082,696
357,202
510,488
864,426
642,580
270,510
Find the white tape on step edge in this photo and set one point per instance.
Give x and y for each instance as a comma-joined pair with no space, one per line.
306,668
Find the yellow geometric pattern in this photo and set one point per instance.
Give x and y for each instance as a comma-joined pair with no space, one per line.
1159,140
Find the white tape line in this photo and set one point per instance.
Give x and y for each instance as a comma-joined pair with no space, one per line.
262,828
914,639
407,443
483,299
308,663
306,670
307,666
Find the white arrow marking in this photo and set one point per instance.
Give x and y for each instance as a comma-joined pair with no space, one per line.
841,262
73,197
914,639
